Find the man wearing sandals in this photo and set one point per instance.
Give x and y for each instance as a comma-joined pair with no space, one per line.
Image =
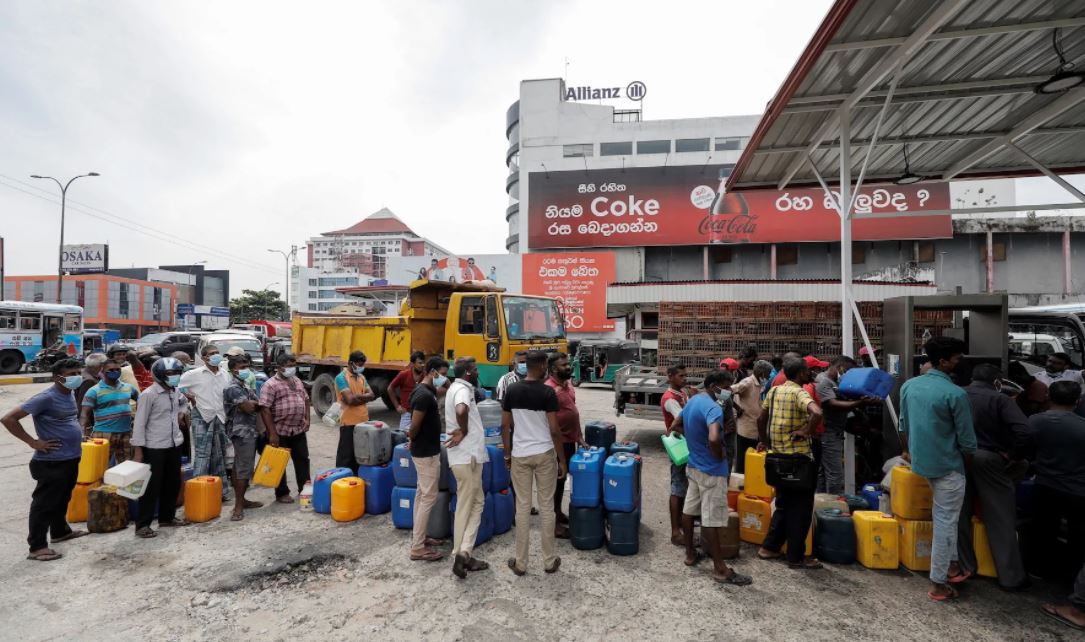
156,436
242,409
936,420
55,464
467,455
1072,615
701,422
425,443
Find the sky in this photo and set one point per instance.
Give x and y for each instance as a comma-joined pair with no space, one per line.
223,129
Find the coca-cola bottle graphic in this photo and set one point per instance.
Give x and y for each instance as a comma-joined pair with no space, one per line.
725,207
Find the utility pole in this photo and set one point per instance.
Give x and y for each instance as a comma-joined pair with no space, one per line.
63,200
287,257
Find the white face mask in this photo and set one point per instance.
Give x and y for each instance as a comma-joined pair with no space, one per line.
289,372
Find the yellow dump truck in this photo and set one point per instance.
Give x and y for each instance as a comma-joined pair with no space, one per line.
438,318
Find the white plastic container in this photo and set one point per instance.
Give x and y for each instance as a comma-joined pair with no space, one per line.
130,478
305,497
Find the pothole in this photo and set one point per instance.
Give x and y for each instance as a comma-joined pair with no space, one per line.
292,574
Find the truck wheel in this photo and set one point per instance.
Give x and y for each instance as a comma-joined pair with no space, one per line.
323,393
10,361
380,387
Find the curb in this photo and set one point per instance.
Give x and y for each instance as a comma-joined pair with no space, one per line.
35,378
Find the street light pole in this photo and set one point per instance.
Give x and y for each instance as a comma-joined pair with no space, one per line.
63,201
286,284
265,298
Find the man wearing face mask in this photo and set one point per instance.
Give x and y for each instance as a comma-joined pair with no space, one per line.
403,385
561,372
156,434
286,412
206,385
354,393
92,374
516,375
242,409
55,464
425,440
466,457
701,422
107,411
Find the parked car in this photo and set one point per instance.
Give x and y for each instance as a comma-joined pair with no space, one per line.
166,343
226,340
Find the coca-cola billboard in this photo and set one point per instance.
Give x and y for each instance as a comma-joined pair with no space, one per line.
683,205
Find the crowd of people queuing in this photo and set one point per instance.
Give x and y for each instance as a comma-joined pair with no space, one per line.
972,443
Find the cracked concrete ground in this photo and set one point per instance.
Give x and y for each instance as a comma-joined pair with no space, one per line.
282,574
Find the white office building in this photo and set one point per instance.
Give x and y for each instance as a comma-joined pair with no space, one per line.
362,248
314,291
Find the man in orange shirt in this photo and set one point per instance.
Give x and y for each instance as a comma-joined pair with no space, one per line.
354,393
674,399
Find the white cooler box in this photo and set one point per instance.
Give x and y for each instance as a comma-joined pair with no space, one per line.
130,478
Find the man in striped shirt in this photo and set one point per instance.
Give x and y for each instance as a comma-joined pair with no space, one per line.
106,412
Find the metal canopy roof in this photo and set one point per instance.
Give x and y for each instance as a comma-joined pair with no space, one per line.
964,95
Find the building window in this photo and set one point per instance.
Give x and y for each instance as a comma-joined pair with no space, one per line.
472,315
691,145
998,250
312,283
312,294
312,307
720,253
616,149
731,143
925,252
858,254
787,254
577,150
653,146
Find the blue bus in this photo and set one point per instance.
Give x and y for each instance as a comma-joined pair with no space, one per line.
25,328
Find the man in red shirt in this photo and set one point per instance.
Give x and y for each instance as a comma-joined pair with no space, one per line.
403,385
674,399
561,372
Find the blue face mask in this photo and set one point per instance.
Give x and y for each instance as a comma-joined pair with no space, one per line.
113,375
72,382
521,369
243,374
438,382
215,360
173,380
359,370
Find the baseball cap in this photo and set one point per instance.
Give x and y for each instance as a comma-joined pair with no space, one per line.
729,363
864,351
814,362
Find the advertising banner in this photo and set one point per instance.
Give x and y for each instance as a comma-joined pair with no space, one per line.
577,279
85,259
502,269
683,206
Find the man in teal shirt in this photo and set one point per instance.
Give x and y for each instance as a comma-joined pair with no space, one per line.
936,417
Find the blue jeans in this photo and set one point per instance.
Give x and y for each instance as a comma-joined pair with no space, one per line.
209,449
948,494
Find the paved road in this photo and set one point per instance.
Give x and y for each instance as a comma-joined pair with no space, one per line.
286,575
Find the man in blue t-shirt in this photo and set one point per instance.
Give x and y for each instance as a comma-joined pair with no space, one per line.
701,422
55,464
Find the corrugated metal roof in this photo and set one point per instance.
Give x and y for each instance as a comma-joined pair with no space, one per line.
967,84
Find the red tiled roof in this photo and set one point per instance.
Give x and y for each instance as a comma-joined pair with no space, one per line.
382,221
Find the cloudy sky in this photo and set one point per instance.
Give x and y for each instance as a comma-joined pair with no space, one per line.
221,129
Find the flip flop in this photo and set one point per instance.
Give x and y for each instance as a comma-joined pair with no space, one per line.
698,557
735,579
512,567
285,499
433,541
237,517
248,503
146,533
555,567
809,564
953,595
1049,611
75,534
474,565
44,556
959,577
770,557
174,523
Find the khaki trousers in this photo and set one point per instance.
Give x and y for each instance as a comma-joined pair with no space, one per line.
429,470
542,471
470,500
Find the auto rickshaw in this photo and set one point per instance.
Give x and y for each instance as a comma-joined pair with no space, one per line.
596,360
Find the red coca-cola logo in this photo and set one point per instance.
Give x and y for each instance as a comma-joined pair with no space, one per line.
716,225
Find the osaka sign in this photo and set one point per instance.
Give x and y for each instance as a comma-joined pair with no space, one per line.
684,206
85,259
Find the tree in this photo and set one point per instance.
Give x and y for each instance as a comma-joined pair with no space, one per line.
257,304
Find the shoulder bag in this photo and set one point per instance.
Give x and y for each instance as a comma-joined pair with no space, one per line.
788,471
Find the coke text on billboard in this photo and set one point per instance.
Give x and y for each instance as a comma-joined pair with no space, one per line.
684,205
578,280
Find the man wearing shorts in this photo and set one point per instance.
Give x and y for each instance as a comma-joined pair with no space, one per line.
673,401
701,421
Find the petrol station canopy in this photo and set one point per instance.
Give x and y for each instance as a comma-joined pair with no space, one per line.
975,88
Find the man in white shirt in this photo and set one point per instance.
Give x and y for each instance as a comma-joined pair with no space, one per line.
515,375
534,455
466,456
1058,369
204,386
